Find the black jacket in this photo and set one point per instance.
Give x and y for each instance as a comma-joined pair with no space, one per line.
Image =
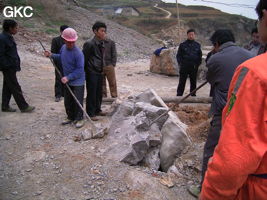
189,54
9,58
93,55
98,54
57,43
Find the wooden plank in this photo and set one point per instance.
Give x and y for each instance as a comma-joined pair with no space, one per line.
206,100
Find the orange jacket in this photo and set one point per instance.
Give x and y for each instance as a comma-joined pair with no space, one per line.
242,148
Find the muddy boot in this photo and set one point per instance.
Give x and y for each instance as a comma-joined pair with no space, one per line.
79,124
94,118
29,109
8,109
66,121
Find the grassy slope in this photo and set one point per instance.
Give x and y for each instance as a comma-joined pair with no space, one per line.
151,21
45,18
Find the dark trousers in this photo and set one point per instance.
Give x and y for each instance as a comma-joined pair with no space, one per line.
211,143
12,87
74,112
94,93
59,86
186,71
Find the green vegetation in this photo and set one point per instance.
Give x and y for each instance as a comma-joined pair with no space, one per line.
16,2
51,31
44,11
116,3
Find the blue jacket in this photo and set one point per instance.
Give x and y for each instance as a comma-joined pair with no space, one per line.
9,58
73,65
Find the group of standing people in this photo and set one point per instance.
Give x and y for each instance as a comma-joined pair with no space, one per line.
91,65
235,153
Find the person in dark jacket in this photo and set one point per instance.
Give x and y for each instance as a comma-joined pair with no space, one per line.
221,67
9,65
212,52
56,45
110,59
255,45
93,51
189,57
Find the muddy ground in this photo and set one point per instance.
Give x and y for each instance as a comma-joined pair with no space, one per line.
39,158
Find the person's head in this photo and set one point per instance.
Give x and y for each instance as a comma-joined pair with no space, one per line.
70,36
191,34
63,27
221,36
255,35
100,30
10,26
261,10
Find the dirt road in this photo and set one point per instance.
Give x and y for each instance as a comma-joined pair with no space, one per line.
169,14
40,160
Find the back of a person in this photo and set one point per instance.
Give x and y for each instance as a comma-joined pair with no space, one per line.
226,61
229,59
238,168
256,184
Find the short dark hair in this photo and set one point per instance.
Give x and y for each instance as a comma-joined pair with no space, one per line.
254,30
9,23
190,30
260,7
63,27
222,36
99,25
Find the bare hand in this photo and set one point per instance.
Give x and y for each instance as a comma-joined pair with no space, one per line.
64,80
47,53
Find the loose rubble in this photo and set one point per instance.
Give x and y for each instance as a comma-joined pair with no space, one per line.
137,143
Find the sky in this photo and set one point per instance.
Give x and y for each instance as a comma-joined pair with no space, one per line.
241,7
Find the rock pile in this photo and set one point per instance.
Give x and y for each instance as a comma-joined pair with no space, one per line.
134,142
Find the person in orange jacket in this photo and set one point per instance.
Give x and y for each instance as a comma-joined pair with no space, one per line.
238,168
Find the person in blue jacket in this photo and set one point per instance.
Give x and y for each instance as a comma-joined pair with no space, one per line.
72,61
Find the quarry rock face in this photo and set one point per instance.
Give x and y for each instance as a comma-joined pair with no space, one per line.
136,141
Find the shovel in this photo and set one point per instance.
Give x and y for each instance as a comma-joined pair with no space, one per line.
94,129
184,98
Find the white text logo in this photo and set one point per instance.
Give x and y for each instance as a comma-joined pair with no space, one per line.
22,11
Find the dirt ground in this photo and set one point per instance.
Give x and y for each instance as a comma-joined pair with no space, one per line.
40,160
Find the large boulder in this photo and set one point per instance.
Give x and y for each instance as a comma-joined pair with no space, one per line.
135,142
164,63
174,141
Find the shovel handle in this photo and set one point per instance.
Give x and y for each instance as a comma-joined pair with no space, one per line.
155,120
68,87
167,111
200,86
